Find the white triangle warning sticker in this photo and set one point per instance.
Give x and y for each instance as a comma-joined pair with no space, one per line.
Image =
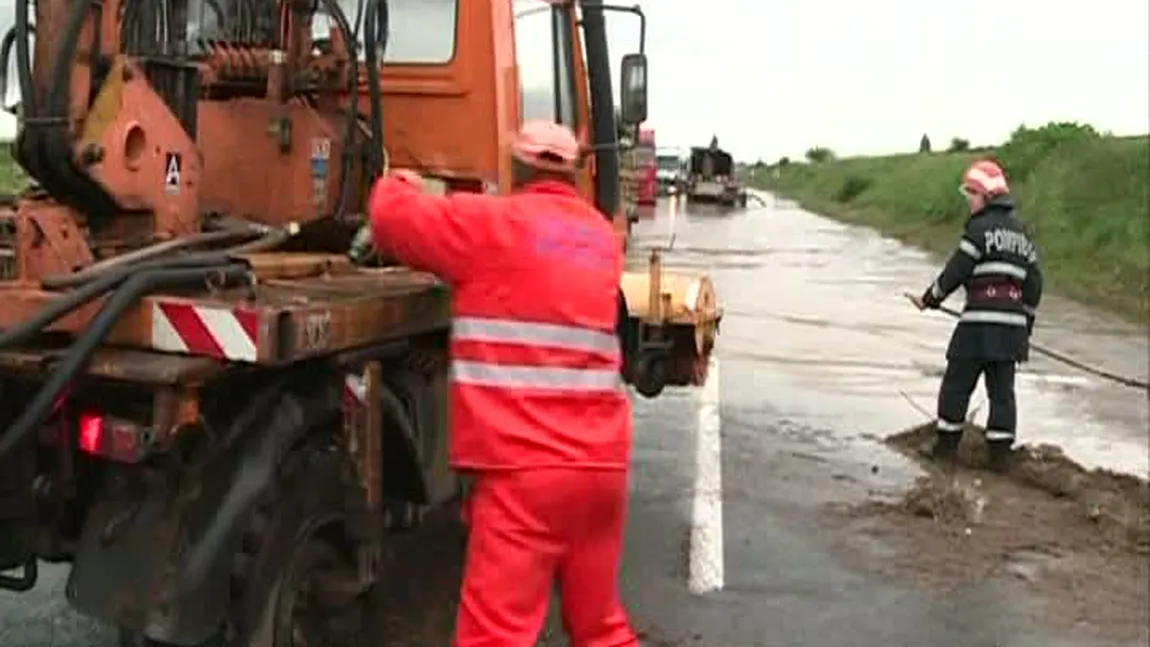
172,171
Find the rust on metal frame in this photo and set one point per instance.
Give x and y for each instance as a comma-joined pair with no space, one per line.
129,365
307,305
365,434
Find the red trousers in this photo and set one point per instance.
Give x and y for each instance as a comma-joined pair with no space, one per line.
529,528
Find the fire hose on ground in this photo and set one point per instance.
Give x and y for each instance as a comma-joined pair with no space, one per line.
1064,358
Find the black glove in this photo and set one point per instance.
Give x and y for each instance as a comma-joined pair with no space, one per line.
928,299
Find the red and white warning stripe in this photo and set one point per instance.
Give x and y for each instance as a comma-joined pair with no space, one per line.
223,333
355,388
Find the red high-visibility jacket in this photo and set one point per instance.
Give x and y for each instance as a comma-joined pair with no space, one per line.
535,359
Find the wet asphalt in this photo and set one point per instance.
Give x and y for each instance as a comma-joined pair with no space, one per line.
819,356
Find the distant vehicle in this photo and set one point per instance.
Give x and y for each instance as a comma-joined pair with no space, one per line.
711,177
670,171
645,177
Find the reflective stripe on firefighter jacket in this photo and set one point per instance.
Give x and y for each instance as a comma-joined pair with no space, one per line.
535,358
997,264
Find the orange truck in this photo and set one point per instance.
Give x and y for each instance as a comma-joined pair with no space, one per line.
209,408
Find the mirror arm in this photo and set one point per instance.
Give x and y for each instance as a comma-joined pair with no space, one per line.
636,10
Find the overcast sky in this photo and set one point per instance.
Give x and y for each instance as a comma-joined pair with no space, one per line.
773,77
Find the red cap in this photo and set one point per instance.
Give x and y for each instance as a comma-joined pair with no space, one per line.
547,145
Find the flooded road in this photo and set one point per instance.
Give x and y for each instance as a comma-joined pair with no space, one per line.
815,317
818,354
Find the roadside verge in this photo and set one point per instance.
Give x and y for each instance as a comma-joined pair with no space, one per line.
1087,202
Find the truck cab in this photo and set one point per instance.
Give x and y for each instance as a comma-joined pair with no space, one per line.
446,66
670,170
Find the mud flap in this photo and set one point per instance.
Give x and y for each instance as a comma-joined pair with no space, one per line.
157,549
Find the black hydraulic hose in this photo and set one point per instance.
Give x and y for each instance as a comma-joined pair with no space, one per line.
375,42
97,286
259,468
59,149
29,154
285,421
83,277
273,239
270,240
140,255
130,26
1064,358
375,37
43,146
81,351
52,118
351,37
60,307
5,59
221,17
24,59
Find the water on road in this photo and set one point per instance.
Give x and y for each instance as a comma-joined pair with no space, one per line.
819,355
816,318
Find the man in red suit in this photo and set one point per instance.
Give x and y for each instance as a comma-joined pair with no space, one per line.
540,417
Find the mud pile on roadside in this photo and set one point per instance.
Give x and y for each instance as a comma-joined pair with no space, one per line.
1117,505
1079,537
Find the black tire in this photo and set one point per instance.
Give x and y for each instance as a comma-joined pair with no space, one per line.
299,538
282,621
651,376
296,535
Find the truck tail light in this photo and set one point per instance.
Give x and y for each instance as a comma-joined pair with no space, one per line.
113,438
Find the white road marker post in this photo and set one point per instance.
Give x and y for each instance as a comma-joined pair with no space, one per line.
705,565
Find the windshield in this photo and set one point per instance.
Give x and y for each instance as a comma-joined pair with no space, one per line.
543,54
421,32
668,162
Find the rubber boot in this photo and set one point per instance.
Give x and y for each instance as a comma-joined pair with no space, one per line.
1000,453
945,448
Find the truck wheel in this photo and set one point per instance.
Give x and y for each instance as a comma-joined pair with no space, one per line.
297,579
294,581
299,611
651,376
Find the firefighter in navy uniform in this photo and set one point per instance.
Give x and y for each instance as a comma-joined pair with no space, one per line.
997,264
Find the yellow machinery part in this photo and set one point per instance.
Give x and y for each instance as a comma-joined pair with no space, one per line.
686,300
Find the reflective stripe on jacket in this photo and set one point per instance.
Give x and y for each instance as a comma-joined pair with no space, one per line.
535,358
997,263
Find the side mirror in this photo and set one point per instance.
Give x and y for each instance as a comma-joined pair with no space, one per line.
633,89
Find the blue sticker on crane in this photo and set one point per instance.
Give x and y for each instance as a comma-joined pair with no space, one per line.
320,154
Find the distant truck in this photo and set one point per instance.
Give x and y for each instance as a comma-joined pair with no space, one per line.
670,172
711,177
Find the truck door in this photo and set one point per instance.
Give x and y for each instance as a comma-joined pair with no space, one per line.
550,84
